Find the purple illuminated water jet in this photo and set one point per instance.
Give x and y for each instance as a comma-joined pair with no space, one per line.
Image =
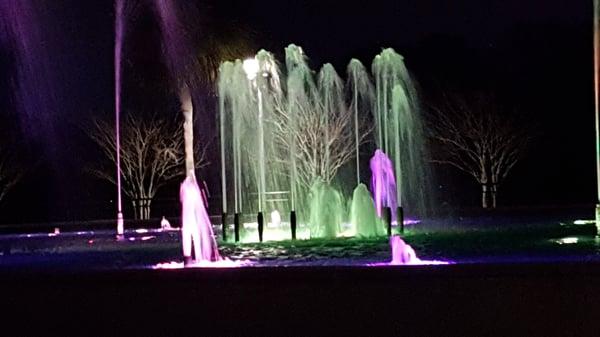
196,228
404,254
401,252
27,35
383,183
117,60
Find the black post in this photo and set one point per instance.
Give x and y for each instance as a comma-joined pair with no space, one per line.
400,219
260,219
224,225
293,224
387,217
236,226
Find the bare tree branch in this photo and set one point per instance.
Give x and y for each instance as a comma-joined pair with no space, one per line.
152,154
478,139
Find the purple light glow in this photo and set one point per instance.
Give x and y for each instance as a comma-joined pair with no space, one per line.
117,62
224,263
196,227
403,254
383,183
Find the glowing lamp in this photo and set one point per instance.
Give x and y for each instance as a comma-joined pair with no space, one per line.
251,68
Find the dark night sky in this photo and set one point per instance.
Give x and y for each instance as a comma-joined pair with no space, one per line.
535,55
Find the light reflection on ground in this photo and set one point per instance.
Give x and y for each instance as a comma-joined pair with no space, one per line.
225,263
412,263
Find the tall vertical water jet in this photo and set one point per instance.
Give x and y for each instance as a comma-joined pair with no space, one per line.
302,96
224,78
331,94
119,28
196,228
298,79
250,93
181,63
28,45
383,183
362,93
399,129
292,139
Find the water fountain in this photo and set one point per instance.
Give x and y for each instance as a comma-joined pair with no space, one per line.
383,182
119,31
363,95
248,92
401,252
363,216
326,209
196,228
399,131
306,130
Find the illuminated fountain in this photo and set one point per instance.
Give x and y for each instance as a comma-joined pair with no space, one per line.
401,252
398,131
197,232
267,118
196,228
363,215
119,31
383,183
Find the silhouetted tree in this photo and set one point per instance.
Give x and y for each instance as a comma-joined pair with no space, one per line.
476,137
151,156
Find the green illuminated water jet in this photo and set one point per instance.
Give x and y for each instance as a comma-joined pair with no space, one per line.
285,135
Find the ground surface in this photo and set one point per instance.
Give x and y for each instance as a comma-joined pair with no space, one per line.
144,249
514,281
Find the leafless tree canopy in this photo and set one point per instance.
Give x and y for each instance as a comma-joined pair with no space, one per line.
152,154
308,132
477,138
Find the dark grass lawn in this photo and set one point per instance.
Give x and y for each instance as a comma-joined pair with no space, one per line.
102,250
66,285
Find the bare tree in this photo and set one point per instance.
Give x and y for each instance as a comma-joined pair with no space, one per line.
152,154
316,159
477,138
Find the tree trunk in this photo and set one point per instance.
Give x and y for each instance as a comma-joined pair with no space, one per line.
484,196
185,99
493,195
147,208
136,207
